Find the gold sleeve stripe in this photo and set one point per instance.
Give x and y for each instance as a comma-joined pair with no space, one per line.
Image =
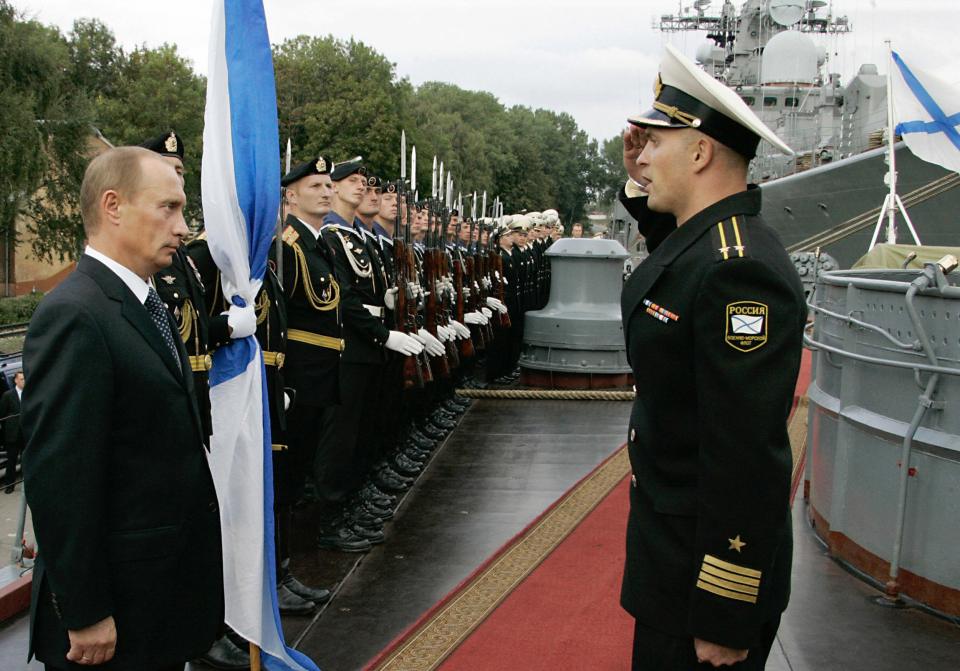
723,242
719,591
726,575
726,584
733,568
736,232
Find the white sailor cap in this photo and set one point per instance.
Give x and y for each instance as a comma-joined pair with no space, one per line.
520,223
687,97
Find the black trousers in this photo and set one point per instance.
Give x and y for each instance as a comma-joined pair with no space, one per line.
349,440
656,651
14,449
305,424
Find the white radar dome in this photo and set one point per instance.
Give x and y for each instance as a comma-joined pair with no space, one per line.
790,57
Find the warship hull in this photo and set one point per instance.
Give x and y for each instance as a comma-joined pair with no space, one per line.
835,207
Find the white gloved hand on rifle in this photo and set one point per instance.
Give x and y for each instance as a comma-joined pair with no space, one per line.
433,346
474,318
487,313
390,298
497,305
242,321
459,329
402,343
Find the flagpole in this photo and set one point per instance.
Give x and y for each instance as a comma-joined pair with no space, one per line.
255,658
891,202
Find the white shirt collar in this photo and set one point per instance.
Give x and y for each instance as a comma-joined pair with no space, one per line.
315,231
136,284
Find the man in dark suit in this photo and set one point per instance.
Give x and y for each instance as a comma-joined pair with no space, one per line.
12,429
130,572
713,322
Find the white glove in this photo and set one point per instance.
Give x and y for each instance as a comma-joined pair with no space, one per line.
444,334
402,343
242,321
486,313
497,305
459,329
286,401
390,298
474,318
433,346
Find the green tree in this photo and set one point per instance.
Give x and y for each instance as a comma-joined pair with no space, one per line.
157,90
339,98
44,126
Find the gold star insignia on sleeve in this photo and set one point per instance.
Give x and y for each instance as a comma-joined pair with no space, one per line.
736,543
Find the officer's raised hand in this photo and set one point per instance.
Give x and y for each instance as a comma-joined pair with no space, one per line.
634,139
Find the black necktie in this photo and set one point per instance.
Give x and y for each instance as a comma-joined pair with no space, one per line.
158,313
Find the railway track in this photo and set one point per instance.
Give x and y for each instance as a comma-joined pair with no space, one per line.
13,330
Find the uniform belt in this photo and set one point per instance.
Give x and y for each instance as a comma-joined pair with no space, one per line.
376,311
316,339
273,359
201,363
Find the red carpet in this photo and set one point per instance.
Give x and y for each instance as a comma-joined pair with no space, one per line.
566,614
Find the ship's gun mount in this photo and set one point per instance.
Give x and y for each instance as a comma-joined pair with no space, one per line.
884,463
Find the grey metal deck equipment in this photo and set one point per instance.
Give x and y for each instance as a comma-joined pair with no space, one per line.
576,341
884,428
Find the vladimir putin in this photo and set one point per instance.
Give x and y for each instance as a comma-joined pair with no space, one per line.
129,574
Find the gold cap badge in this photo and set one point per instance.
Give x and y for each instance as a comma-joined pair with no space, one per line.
171,142
321,165
657,87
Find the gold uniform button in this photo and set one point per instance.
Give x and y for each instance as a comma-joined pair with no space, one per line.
280,357
208,362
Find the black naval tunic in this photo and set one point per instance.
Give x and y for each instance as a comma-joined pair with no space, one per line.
713,324
313,309
182,290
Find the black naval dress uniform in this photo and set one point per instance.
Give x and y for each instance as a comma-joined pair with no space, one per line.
349,441
713,322
182,290
314,344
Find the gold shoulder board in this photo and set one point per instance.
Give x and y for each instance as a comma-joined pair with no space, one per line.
290,235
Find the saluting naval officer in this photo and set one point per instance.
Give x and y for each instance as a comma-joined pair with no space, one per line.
713,322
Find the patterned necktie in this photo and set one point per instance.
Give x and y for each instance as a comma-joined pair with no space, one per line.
158,313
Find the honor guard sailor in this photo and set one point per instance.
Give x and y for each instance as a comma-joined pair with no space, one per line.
713,322
347,444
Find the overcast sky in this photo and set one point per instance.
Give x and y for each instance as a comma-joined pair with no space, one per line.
595,59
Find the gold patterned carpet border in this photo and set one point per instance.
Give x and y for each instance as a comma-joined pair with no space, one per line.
426,647
797,430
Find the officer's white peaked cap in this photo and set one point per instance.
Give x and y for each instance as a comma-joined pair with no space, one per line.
687,97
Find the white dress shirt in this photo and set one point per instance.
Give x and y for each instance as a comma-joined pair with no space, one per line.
139,288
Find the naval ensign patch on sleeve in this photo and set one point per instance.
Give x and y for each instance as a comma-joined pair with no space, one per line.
747,323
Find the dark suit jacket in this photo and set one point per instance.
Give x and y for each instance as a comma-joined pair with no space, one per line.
10,410
713,322
123,504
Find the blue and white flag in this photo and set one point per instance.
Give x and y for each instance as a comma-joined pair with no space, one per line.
927,113
241,194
